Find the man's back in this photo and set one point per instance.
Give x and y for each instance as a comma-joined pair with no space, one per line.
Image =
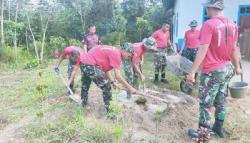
220,34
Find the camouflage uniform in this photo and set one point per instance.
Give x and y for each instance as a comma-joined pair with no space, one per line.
71,65
190,53
160,61
213,92
93,73
130,75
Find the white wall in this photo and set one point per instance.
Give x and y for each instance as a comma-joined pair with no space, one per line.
232,7
188,10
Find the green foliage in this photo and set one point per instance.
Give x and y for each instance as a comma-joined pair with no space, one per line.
115,109
32,64
143,27
75,42
57,43
114,38
10,29
12,58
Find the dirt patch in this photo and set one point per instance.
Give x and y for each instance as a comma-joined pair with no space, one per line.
158,120
14,132
3,121
155,120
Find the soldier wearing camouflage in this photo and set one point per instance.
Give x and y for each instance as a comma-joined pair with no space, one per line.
191,42
130,65
162,37
71,52
218,50
96,66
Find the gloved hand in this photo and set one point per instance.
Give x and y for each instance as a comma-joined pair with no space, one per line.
57,70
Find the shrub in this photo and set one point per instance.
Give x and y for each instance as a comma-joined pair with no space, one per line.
75,42
114,38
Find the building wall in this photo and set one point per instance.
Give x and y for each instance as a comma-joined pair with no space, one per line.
186,10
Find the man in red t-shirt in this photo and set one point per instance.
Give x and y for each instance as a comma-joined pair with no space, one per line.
73,54
162,37
133,66
191,42
97,65
216,54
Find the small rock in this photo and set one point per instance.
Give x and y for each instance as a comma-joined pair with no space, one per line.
141,101
247,111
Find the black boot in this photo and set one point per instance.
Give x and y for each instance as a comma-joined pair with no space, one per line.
218,128
84,102
163,78
156,81
195,134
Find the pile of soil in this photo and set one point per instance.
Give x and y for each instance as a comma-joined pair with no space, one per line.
155,119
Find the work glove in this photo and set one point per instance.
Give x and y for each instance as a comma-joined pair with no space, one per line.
57,70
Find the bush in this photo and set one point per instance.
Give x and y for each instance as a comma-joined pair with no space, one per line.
54,43
114,38
11,55
75,42
7,55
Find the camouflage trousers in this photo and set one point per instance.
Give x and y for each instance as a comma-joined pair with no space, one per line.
71,65
93,73
190,53
213,91
160,61
130,75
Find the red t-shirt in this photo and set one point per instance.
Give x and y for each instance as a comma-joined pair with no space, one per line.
68,50
220,34
192,39
140,50
162,38
105,57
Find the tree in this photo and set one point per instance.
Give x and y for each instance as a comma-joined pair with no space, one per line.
83,8
143,27
2,20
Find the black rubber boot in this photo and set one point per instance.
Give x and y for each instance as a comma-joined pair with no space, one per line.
156,81
218,128
193,134
163,78
84,102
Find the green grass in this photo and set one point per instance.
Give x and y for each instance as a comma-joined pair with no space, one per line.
38,93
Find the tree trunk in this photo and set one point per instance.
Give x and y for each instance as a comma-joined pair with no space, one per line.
2,19
15,34
43,39
9,9
33,39
81,16
26,40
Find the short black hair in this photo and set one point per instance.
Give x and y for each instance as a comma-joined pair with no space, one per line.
91,25
75,53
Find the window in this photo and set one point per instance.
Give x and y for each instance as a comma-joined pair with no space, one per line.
244,10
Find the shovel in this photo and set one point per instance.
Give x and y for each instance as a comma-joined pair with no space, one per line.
152,97
72,95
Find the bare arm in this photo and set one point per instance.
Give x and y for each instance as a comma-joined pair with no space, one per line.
235,58
73,74
60,60
200,57
85,50
137,68
124,82
198,60
108,74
